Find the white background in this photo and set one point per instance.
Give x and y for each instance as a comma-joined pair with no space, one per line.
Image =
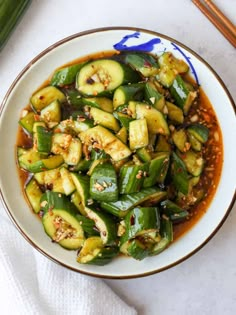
206,282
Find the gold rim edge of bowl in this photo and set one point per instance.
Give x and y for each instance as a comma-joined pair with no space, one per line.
63,41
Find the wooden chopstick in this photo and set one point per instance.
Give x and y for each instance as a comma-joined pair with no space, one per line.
218,20
221,16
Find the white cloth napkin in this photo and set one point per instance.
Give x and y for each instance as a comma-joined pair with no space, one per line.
32,284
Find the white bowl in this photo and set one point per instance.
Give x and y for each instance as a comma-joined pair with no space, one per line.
83,44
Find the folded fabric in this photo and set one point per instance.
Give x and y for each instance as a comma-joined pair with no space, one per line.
32,284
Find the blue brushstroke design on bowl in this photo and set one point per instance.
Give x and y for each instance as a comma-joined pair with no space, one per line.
148,46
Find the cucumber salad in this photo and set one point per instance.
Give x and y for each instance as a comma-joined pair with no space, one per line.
114,151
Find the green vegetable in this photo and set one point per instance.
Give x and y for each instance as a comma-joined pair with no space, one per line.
68,147
153,97
34,194
42,138
34,162
27,122
60,221
166,232
146,64
156,122
141,221
125,93
179,138
94,253
157,170
46,96
103,103
193,162
144,154
175,114
137,249
10,13
138,134
131,178
52,112
124,119
104,223
173,211
104,119
105,140
182,95
126,202
81,183
200,132
103,183
102,76
179,174
65,75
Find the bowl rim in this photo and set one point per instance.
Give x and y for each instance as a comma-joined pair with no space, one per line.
81,34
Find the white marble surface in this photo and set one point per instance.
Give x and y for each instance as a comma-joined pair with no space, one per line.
206,283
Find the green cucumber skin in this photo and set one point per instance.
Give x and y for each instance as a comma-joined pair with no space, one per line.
74,98
143,63
150,92
144,154
34,194
175,114
137,250
60,201
166,232
125,74
179,174
37,163
88,225
156,167
195,144
131,76
45,96
129,179
74,126
179,91
44,139
124,119
105,176
109,234
121,108
82,166
66,75
27,122
57,201
121,207
193,161
200,132
10,12
39,166
141,219
97,155
103,103
129,93
105,256
173,211
83,181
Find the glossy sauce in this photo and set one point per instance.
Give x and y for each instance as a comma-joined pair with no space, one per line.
212,154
